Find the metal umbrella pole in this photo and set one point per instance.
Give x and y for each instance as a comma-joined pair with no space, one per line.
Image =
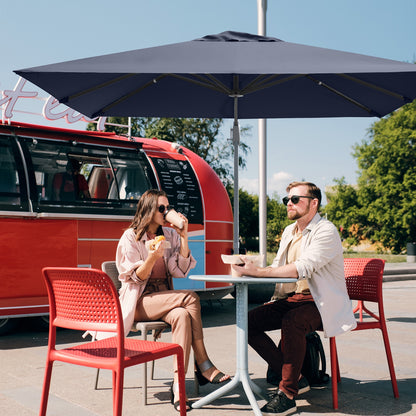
236,143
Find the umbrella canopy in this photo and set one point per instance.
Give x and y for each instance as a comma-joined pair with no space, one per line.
230,75
201,78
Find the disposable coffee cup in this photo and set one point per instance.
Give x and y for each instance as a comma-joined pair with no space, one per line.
174,218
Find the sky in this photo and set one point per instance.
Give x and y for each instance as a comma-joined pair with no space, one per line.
317,150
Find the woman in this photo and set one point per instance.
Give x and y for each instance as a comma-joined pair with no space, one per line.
147,292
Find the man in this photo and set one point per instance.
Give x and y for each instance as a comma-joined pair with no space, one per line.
311,251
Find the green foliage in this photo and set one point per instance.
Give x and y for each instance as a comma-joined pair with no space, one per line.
249,217
249,220
382,207
343,210
387,186
201,135
276,222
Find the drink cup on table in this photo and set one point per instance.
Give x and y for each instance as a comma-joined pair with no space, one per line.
174,218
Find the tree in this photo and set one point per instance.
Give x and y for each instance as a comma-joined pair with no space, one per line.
249,220
383,206
387,184
277,221
201,135
343,210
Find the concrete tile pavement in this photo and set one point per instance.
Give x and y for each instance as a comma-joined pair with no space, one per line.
365,387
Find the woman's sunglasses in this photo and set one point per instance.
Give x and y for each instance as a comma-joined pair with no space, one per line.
295,199
162,208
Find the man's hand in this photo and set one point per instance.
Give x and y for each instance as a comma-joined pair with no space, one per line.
247,269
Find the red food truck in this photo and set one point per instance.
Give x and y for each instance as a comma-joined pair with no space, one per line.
42,225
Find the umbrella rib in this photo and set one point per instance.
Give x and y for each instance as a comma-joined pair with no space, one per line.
96,87
218,83
211,83
259,80
130,94
267,83
377,88
346,97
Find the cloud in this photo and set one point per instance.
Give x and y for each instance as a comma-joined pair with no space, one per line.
277,183
249,185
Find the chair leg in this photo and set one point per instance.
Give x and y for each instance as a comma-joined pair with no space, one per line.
389,360
152,375
196,383
144,373
118,385
335,375
45,389
96,379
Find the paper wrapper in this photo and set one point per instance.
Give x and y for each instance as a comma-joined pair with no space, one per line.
166,244
236,259
231,259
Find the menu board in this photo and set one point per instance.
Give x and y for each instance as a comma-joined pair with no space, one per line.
177,178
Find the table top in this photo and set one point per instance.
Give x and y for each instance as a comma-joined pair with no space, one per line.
242,279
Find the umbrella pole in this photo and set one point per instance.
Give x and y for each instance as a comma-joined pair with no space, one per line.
236,143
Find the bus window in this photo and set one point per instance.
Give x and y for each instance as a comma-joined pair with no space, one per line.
134,175
88,179
12,194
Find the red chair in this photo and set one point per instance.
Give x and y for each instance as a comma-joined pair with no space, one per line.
86,300
364,278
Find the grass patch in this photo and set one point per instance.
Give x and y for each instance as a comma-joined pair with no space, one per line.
389,258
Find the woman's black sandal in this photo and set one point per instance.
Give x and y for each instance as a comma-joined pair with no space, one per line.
176,405
202,380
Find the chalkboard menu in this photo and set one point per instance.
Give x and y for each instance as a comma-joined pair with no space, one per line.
178,180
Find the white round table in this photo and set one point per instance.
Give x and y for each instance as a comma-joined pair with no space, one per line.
241,373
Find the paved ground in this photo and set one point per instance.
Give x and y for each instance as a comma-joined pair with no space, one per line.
365,387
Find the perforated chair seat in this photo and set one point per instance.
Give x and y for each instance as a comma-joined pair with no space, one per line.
104,352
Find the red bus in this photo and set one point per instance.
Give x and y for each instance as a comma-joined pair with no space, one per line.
40,225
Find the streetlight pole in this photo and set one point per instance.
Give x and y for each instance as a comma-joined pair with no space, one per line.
262,127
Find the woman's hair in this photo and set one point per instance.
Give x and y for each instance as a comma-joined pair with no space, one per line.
313,190
146,208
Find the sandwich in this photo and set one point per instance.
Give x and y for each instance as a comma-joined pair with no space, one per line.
154,244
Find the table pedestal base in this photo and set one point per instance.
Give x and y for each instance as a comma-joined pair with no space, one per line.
241,375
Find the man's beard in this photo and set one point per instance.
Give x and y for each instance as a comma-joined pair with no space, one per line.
295,215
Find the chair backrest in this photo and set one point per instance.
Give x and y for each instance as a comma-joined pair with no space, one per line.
83,299
110,268
364,278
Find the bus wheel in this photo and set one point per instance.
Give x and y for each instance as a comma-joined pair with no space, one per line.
8,325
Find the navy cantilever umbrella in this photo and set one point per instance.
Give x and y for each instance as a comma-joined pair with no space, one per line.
230,75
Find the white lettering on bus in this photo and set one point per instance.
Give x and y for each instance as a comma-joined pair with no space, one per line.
10,98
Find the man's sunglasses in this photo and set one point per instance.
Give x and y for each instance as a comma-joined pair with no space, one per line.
162,208
295,199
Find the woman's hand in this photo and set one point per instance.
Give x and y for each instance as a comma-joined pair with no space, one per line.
183,232
158,251
144,270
